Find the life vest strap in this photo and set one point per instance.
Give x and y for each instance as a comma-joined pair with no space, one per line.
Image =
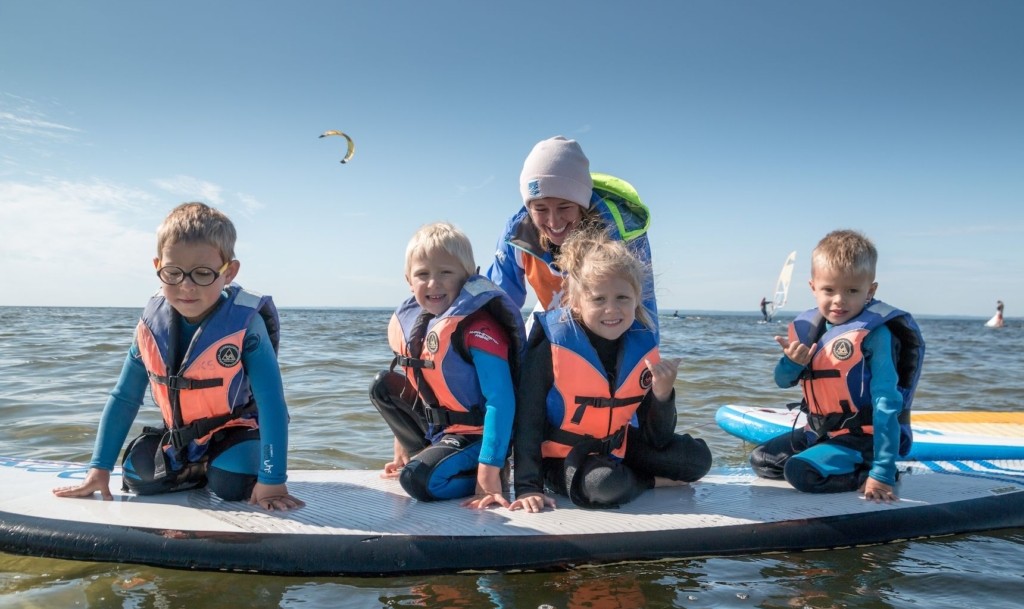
601,402
601,446
442,417
821,374
180,437
839,423
412,362
861,430
180,382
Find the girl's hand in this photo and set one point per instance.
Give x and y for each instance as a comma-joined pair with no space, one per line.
532,502
664,376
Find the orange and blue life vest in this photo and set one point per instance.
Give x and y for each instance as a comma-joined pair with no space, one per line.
204,389
436,362
545,279
837,382
585,404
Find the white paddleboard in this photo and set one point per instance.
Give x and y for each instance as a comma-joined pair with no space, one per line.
356,523
938,435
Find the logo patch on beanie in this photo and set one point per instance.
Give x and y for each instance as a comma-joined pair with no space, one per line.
227,356
533,187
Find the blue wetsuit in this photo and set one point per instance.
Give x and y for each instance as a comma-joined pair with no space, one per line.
843,462
266,459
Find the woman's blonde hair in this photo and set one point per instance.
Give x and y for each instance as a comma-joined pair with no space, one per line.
589,255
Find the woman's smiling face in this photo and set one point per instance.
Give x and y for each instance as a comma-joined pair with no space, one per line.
555,218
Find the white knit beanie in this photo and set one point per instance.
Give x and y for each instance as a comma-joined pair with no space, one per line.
557,167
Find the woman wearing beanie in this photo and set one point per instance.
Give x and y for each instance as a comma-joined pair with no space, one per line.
559,196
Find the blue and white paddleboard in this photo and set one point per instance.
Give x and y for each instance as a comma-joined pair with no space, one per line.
938,435
357,524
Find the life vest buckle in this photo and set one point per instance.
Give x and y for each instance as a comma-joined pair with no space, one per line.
179,383
412,362
612,442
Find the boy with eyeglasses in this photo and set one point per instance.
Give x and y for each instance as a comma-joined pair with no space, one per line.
208,350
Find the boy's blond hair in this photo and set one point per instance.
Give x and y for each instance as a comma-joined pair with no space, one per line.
197,223
440,236
590,255
845,251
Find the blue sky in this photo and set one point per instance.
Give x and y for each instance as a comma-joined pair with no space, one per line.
750,129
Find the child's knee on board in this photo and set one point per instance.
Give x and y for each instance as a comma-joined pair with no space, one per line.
389,387
684,459
230,486
768,463
607,482
806,476
697,461
443,471
140,464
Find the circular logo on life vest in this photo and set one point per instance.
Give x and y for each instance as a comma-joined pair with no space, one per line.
227,356
842,349
646,379
431,342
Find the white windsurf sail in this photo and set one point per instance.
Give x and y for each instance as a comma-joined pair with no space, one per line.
782,285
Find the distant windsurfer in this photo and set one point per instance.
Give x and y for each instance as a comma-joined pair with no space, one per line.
764,307
997,319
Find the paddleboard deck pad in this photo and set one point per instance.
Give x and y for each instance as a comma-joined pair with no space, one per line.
357,524
938,435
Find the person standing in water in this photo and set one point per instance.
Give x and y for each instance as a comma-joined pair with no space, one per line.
997,319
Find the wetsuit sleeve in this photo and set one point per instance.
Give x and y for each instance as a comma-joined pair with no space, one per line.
657,419
887,404
120,411
264,374
531,416
506,273
488,345
787,372
499,409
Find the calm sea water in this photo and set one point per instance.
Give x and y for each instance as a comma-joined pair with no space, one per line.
58,364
